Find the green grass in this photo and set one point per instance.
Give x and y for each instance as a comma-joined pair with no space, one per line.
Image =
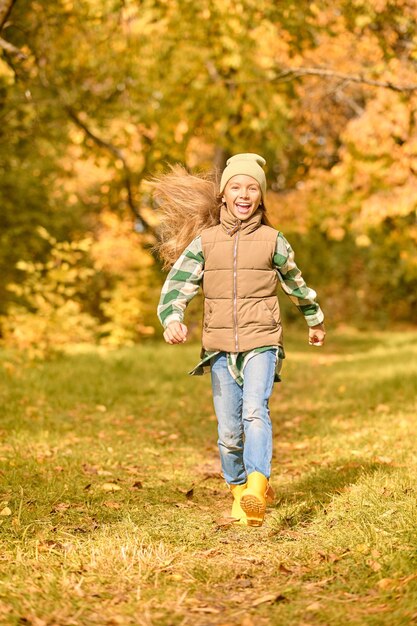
110,491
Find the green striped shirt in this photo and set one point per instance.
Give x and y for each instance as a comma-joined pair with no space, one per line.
236,362
183,283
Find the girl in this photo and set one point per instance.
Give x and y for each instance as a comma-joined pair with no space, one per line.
229,242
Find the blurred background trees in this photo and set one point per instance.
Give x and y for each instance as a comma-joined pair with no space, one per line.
98,95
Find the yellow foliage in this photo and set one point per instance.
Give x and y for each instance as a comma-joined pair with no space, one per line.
123,310
395,202
117,250
117,247
47,315
6,73
48,329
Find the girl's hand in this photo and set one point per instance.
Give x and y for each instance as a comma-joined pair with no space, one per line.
316,335
176,332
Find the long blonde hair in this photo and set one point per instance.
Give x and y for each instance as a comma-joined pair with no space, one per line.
187,204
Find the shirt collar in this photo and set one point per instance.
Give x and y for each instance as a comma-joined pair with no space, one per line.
230,223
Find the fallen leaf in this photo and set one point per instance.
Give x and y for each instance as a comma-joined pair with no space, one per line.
252,559
112,505
292,534
244,583
374,565
206,609
313,607
110,487
209,552
270,598
386,460
331,556
90,469
209,475
379,608
188,493
284,569
131,469
49,544
6,511
387,583
61,506
318,584
225,522
404,581
302,445
31,620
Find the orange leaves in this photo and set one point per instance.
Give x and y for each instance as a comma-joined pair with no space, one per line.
116,248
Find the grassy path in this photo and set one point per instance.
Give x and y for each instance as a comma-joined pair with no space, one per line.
110,490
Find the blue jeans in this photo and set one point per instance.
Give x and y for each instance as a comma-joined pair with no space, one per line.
244,424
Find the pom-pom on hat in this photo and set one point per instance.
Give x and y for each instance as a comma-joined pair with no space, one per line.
246,163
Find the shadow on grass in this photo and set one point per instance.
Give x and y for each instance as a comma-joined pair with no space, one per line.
300,501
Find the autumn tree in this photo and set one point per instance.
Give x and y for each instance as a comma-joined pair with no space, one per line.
98,95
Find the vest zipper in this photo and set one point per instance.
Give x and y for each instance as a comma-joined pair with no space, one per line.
235,289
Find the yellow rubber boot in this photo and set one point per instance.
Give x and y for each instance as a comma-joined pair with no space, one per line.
237,512
253,499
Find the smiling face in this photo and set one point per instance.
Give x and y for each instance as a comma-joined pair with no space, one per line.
242,196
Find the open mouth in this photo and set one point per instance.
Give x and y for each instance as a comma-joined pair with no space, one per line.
243,207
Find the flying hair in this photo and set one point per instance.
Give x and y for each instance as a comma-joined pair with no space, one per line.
186,204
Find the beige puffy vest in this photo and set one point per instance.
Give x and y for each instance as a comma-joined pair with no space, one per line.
241,309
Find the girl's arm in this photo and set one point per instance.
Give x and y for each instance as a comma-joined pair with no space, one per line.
294,285
181,285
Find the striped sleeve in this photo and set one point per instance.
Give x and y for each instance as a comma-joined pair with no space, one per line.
292,282
181,284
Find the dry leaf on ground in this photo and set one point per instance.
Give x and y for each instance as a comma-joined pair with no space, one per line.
112,505
6,511
110,487
271,598
61,506
224,522
206,609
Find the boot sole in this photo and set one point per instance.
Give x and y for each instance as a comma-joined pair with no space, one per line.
254,509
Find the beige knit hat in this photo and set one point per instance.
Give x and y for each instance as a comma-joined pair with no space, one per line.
246,163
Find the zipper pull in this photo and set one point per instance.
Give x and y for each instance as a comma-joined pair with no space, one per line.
235,228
